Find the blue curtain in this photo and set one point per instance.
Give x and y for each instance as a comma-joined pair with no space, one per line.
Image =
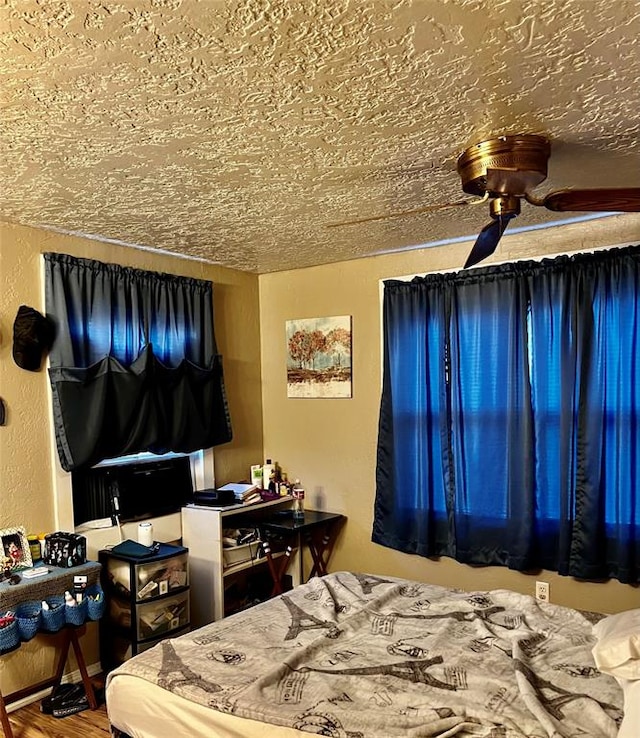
134,366
508,420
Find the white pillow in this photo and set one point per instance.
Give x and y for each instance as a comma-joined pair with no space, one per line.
617,651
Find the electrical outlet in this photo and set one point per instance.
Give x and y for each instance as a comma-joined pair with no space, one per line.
542,591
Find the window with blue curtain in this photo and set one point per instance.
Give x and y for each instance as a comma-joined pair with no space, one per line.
134,366
508,430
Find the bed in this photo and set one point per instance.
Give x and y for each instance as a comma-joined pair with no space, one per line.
362,656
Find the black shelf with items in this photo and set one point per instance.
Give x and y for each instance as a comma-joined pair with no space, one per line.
147,600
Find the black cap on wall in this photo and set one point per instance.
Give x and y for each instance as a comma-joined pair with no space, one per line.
33,336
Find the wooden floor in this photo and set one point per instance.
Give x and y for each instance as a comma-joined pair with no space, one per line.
29,722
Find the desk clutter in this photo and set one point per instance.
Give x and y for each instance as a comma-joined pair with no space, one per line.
240,545
165,571
59,597
64,549
51,614
268,483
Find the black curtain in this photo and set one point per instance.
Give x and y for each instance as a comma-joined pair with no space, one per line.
134,365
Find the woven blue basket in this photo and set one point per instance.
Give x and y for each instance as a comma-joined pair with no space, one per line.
54,618
9,636
76,614
28,614
95,601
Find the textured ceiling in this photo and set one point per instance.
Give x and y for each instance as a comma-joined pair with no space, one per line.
237,131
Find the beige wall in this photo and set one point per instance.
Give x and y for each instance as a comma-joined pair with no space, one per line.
331,444
26,469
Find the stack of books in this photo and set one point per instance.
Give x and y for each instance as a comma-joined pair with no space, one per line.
247,494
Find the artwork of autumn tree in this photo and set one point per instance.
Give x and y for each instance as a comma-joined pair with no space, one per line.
319,357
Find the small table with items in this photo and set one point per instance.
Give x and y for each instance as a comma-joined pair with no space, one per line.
317,530
18,594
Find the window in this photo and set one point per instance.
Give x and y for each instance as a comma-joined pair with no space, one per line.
131,491
509,416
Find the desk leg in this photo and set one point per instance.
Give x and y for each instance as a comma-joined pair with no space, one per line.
4,719
300,555
71,639
62,657
321,547
88,687
316,549
277,568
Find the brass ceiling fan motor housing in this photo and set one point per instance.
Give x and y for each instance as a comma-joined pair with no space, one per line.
504,206
507,165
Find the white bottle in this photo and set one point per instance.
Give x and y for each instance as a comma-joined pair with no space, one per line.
298,501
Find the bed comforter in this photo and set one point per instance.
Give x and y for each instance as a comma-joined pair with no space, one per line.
362,656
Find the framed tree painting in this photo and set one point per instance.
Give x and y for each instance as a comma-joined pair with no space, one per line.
319,357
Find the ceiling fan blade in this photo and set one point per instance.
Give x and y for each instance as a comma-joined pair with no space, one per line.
417,211
624,200
487,240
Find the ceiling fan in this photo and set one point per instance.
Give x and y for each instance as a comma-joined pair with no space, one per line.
504,170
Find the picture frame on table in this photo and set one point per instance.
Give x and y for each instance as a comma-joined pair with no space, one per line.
15,553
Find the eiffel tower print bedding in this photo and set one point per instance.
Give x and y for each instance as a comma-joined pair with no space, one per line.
362,656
